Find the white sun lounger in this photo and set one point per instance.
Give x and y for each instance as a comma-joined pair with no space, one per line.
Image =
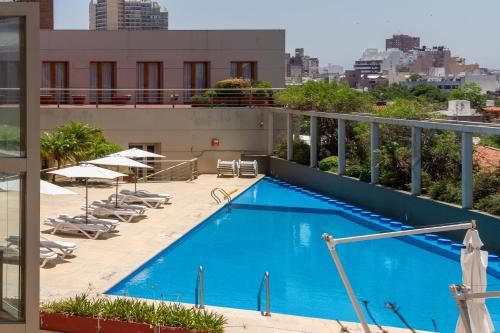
227,168
65,248
124,215
150,202
112,205
91,231
248,168
47,256
110,224
146,194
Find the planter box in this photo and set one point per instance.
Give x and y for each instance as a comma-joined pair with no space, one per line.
121,99
76,324
46,99
78,99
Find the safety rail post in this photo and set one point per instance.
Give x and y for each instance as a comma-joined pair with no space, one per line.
313,160
416,161
467,176
341,147
199,298
289,137
374,138
265,280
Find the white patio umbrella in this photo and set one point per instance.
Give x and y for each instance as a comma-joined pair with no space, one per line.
474,263
87,171
137,153
45,187
119,161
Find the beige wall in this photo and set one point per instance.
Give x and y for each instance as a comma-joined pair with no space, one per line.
173,48
181,133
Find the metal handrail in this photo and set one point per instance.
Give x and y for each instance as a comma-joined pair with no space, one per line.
226,196
265,279
199,291
174,167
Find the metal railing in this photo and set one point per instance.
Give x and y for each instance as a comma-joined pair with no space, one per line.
264,282
147,98
171,170
225,196
199,290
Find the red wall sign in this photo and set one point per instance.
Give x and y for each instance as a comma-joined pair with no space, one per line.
215,143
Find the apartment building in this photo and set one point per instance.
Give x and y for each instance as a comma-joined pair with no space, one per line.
404,43
46,12
158,60
127,15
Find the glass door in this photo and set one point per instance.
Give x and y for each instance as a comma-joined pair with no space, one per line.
149,83
102,82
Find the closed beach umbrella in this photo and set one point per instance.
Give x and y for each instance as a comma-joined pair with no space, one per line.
474,263
87,171
119,161
137,153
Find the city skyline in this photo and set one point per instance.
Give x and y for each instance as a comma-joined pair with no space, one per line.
351,28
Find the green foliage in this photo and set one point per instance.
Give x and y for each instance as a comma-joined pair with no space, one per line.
390,92
441,157
471,92
395,166
330,163
428,93
414,77
238,88
490,204
130,310
325,97
491,141
405,109
361,171
10,138
301,151
446,191
201,99
75,142
261,89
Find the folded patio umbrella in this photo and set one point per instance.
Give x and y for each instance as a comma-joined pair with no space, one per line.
137,153
474,263
119,161
87,171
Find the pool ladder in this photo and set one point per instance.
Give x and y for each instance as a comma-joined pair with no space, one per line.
214,193
199,294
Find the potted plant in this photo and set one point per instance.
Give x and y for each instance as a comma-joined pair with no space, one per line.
200,100
123,315
261,92
46,99
121,98
78,99
232,92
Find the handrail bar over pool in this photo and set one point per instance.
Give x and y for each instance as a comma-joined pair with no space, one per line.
332,242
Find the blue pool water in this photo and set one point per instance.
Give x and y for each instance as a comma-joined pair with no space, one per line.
277,228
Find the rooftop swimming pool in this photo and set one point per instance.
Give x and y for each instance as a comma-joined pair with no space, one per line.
277,227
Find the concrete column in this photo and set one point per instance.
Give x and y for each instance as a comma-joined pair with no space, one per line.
314,142
416,161
270,132
289,137
466,170
373,148
341,147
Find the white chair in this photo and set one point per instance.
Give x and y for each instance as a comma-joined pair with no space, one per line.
124,215
150,202
65,248
91,231
47,256
108,223
248,168
120,205
146,194
227,168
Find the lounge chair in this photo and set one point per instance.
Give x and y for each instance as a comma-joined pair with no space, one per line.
124,215
146,194
46,256
150,202
65,248
108,223
91,231
227,168
113,205
248,168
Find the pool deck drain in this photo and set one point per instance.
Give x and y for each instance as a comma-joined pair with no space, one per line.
99,264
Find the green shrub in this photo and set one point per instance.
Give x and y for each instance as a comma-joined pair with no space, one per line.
486,184
238,88
261,89
445,190
490,204
330,163
201,99
301,151
361,171
131,310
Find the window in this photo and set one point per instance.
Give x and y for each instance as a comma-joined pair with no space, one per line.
244,70
195,77
152,162
102,81
149,82
55,76
11,86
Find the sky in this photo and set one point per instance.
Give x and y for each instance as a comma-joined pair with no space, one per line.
336,31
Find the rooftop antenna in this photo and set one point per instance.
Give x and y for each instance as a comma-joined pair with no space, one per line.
395,309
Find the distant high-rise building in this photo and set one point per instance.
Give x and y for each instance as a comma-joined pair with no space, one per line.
301,66
404,43
46,12
127,15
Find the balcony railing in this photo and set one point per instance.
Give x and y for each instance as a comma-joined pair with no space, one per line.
134,98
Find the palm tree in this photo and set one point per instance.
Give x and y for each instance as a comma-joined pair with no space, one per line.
57,147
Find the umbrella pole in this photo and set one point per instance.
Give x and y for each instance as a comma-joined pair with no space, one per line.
135,181
116,197
86,200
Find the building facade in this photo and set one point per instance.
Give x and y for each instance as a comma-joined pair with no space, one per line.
127,15
19,168
157,60
46,13
404,43
301,66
